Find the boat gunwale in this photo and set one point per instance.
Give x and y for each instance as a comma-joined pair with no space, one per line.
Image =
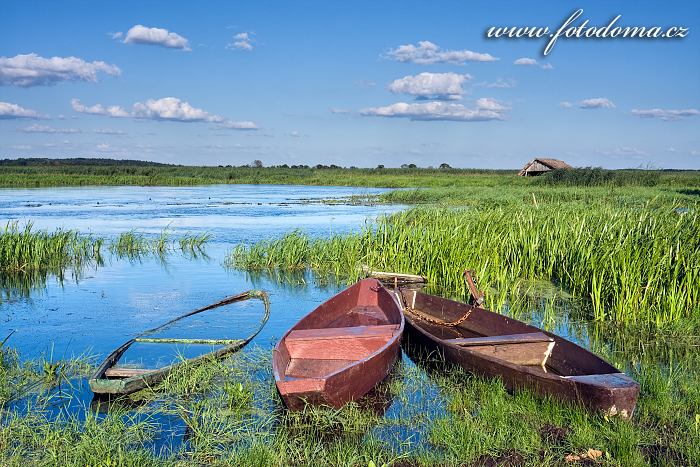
396,335
121,386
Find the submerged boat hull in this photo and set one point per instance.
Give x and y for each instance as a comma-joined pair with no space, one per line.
571,373
341,350
108,380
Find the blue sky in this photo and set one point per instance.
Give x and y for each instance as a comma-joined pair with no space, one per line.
358,83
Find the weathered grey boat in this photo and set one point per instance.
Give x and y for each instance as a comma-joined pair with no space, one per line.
112,379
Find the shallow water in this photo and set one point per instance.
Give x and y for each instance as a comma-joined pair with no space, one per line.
109,304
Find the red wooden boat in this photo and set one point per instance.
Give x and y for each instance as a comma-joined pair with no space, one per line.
523,356
342,349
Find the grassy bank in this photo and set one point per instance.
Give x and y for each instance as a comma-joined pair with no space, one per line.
55,173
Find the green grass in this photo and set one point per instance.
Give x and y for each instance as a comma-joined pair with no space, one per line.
28,257
58,174
442,416
632,265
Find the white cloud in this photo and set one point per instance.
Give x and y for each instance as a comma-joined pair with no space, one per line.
167,108
156,36
172,108
666,114
565,104
596,103
234,125
427,53
108,131
241,41
33,70
500,83
336,110
524,61
431,85
116,35
11,111
99,109
48,129
485,109
103,147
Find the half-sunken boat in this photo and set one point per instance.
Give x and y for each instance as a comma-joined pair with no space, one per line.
523,356
342,349
111,378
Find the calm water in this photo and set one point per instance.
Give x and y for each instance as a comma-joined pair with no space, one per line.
109,304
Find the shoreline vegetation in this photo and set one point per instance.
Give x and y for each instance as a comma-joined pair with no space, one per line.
623,243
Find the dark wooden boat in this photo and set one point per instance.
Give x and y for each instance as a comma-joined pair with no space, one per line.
523,356
342,349
110,378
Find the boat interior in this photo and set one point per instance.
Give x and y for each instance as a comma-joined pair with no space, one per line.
499,336
346,329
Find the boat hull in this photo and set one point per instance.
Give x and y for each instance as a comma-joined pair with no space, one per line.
341,350
607,390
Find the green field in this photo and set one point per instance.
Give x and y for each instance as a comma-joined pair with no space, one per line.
620,248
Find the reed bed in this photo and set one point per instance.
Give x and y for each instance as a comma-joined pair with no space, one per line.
633,265
25,249
28,257
425,414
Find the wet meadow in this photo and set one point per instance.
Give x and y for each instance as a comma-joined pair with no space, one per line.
608,260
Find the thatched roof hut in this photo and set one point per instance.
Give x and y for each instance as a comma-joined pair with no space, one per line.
539,166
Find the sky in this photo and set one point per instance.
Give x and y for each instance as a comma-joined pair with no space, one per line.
356,83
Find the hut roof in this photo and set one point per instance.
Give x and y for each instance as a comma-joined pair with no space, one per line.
553,164
540,165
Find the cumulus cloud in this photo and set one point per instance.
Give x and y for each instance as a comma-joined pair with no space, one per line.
172,108
485,109
524,61
48,129
140,34
11,111
596,103
337,110
666,114
427,53
99,109
167,108
241,41
431,85
33,70
565,104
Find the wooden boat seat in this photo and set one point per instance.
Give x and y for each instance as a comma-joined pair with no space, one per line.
342,343
532,348
121,372
364,315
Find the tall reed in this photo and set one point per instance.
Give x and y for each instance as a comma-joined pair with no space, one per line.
633,264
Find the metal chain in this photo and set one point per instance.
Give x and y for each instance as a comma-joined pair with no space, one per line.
439,322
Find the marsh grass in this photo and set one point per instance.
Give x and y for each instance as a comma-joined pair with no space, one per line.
632,265
29,257
436,414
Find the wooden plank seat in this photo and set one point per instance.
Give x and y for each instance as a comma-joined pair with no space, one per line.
532,348
122,372
344,343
